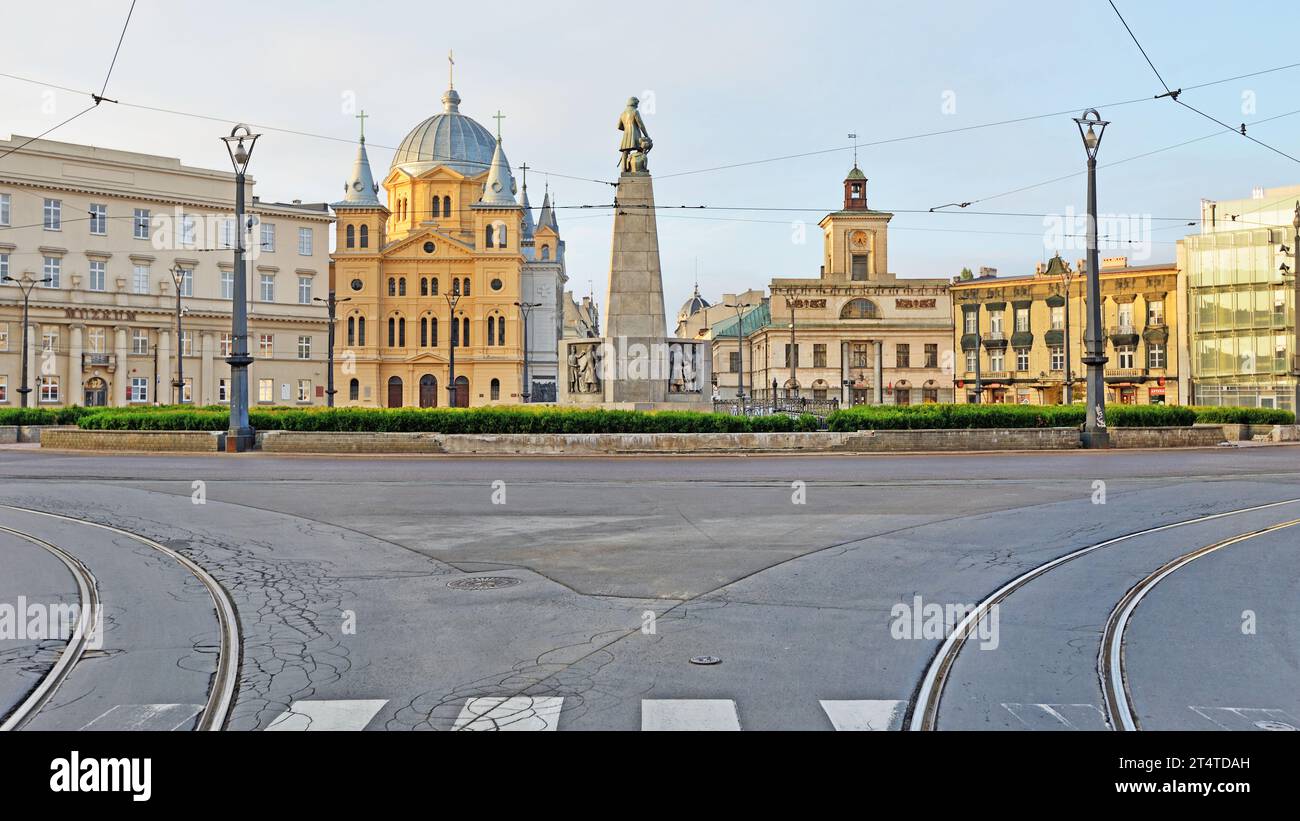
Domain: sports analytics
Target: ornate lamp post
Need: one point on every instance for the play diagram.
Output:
(740, 347)
(794, 356)
(331, 304)
(26, 284)
(525, 308)
(1095, 434)
(452, 339)
(239, 435)
(178, 277)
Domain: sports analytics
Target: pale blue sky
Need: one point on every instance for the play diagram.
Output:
(730, 82)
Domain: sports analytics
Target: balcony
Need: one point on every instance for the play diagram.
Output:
(995, 339)
(99, 360)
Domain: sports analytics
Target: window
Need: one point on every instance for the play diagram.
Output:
(465, 287)
(226, 239)
(464, 334)
(424, 332)
(4, 268)
(187, 343)
(931, 355)
(1126, 356)
(1022, 359)
(1155, 355)
(223, 390)
(268, 287)
(401, 286)
(140, 223)
(266, 345)
(304, 347)
(50, 339)
(4, 389)
(354, 390)
(187, 229)
(903, 356)
(265, 390)
(187, 282)
(304, 390)
(859, 268)
(971, 322)
(392, 286)
(98, 219)
(496, 389)
(859, 355)
(501, 330)
(433, 286)
(491, 330)
(227, 344)
(392, 331)
(4, 336)
(268, 236)
(49, 389)
(401, 331)
(5, 206)
(98, 274)
(304, 242)
(929, 395)
(187, 390)
(819, 356)
(1125, 314)
(1022, 320)
(365, 236)
(352, 331)
(139, 341)
(304, 290)
(791, 349)
(733, 361)
(489, 236)
(138, 390)
(971, 361)
(140, 279)
(858, 309)
(1058, 357)
(351, 241)
(1156, 313)
(227, 284)
(96, 338)
(51, 269)
(433, 331)
(446, 206)
(1058, 317)
(997, 360)
(53, 215)
(424, 286)
(361, 330)
(995, 323)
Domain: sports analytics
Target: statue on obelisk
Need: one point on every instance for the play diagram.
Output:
(636, 143)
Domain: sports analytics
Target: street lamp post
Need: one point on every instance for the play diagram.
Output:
(524, 309)
(452, 338)
(1095, 434)
(740, 348)
(794, 356)
(331, 304)
(26, 284)
(178, 277)
(240, 434)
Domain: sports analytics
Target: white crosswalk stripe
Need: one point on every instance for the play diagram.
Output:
(151, 717)
(689, 714)
(1058, 716)
(335, 714)
(865, 715)
(512, 713)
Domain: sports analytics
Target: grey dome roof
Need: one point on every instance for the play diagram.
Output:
(449, 139)
(693, 305)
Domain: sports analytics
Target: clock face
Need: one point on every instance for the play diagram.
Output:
(357, 285)
(496, 186)
(859, 239)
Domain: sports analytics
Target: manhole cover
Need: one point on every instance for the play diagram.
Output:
(482, 583)
(706, 660)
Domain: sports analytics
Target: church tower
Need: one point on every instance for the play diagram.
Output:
(543, 284)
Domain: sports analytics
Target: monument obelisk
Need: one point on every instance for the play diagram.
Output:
(635, 304)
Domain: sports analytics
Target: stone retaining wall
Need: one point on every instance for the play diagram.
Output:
(172, 441)
(1198, 436)
(25, 434)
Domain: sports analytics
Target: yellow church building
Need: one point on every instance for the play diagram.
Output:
(433, 277)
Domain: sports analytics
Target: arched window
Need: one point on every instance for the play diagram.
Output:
(465, 288)
(365, 236)
(492, 326)
(352, 330)
(446, 206)
(496, 388)
(546, 253)
(455, 286)
(392, 286)
(464, 334)
(392, 331)
(433, 213)
(424, 332)
(501, 331)
(488, 244)
(455, 333)
(401, 332)
(433, 332)
(354, 390)
(433, 286)
(352, 236)
(401, 286)
(502, 237)
(361, 330)
(858, 309)
(424, 286)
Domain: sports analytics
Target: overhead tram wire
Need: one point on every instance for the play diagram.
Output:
(1175, 94)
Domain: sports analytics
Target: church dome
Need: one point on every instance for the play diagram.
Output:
(450, 140)
(693, 305)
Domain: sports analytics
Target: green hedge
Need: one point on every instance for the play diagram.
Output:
(936, 416)
(1243, 416)
(449, 420)
(43, 416)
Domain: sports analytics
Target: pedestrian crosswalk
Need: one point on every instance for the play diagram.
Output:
(507, 713)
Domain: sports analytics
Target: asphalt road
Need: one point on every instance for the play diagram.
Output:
(364, 593)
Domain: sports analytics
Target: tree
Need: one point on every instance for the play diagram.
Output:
(967, 274)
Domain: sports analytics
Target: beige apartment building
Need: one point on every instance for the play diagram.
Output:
(113, 232)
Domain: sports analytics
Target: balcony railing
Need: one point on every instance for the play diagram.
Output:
(1122, 330)
(98, 360)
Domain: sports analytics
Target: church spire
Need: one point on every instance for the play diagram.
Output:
(499, 188)
(360, 190)
(547, 217)
(529, 227)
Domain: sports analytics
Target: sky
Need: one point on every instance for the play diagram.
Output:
(723, 84)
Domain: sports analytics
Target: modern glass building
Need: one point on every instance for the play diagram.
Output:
(1240, 306)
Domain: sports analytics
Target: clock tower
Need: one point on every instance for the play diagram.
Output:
(856, 241)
